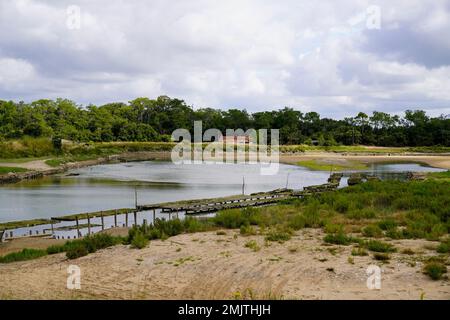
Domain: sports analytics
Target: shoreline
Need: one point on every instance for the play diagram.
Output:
(38, 168)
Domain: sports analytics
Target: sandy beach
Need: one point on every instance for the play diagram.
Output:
(211, 266)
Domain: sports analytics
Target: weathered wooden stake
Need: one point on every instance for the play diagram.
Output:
(115, 218)
(243, 185)
(154, 216)
(126, 219)
(89, 224)
(135, 197)
(53, 229)
(78, 226)
(135, 218)
(103, 220)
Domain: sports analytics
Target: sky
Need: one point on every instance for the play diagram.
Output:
(333, 57)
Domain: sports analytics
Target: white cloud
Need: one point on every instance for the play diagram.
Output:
(255, 54)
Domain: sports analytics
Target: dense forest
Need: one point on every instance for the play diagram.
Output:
(145, 119)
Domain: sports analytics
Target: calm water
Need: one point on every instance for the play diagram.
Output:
(112, 186)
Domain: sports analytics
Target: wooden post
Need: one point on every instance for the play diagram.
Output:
(126, 219)
(78, 227)
(154, 216)
(103, 220)
(115, 218)
(135, 197)
(135, 218)
(53, 229)
(31, 232)
(243, 185)
(89, 224)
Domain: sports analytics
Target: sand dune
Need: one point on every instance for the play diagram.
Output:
(211, 266)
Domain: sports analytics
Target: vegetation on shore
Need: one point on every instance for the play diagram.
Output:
(5, 170)
(365, 216)
(328, 166)
(23, 223)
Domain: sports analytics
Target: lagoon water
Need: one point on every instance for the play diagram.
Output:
(113, 186)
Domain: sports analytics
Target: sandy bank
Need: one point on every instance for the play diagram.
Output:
(207, 265)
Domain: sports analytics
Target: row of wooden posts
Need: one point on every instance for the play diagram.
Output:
(103, 221)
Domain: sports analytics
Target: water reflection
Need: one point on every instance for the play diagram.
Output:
(112, 186)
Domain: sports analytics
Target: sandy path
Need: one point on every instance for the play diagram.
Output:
(206, 265)
(35, 165)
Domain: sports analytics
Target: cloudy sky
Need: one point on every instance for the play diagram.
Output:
(333, 57)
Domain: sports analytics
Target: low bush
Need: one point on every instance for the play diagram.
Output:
(25, 254)
(77, 250)
(279, 235)
(253, 245)
(444, 247)
(139, 241)
(435, 270)
(338, 238)
(247, 230)
(378, 246)
(90, 244)
(373, 231)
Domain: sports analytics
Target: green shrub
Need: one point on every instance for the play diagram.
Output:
(280, 235)
(25, 254)
(373, 231)
(231, 219)
(334, 228)
(435, 270)
(252, 244)
(77, 250)
(444, 247)
(247, 230)
(139, 241)
(192, 225)
(90, 244)
(297, 222)
(378, 246)
(387, 224)
(56, 249)
(338, 238)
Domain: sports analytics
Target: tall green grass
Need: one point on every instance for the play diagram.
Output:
(25, 254)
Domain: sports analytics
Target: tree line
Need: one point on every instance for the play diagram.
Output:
(145, 119)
